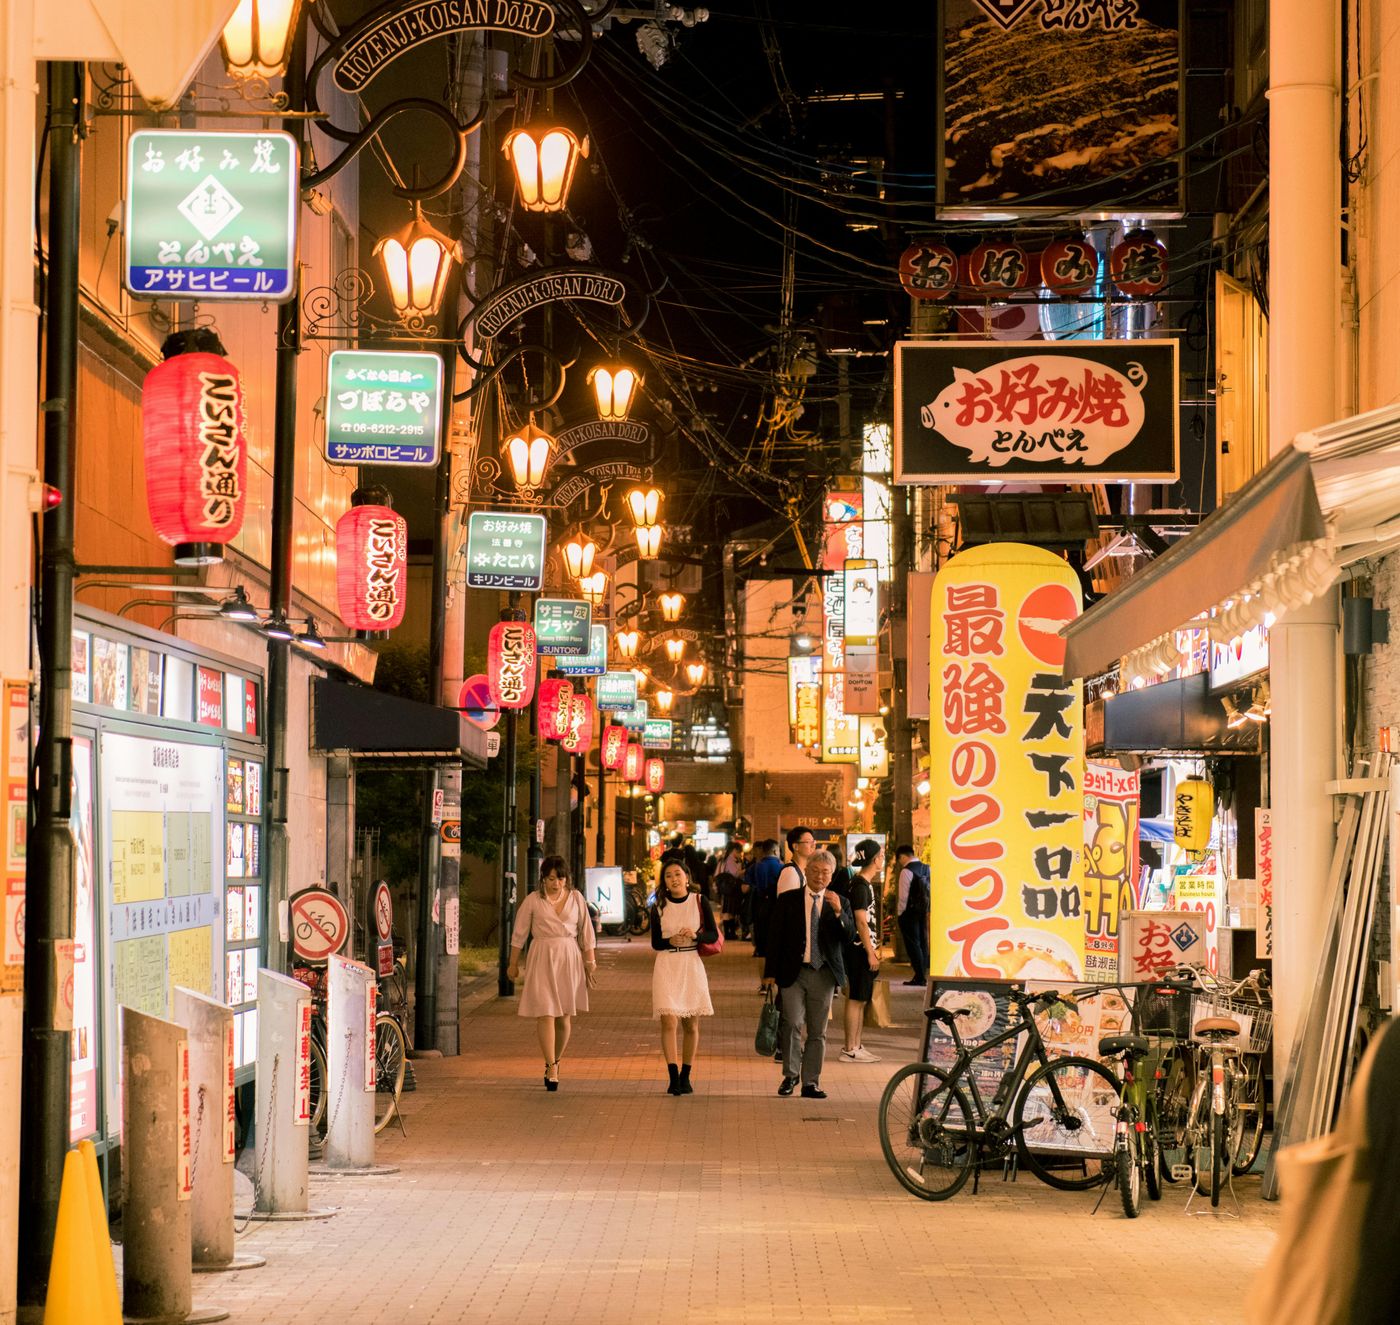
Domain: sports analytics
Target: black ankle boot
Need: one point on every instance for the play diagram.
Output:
(683, 1086)
(675, 1087)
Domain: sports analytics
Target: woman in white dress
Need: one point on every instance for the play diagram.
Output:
(680, 993)
(561, 968)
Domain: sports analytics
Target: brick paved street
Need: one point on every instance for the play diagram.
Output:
(611, 1201)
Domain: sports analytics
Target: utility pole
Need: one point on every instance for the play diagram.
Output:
(49, 888)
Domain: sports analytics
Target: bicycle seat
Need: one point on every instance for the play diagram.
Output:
(1209, 1028)
(946, 1015)
(1136, 1045)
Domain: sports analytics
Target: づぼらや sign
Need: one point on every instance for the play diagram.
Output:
(1073, 411)
(319, 925)
(383, 407)
(1006, 763)
(211, 215)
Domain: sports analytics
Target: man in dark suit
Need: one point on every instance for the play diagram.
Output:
(809, 934)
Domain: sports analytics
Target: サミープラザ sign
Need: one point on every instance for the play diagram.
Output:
(1036, 411)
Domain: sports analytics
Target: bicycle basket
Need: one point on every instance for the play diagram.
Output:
(1161, 1011)
(1256, 1020)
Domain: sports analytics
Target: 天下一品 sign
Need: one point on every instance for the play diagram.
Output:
(211, 215)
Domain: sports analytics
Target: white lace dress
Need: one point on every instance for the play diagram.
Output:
(678, 984)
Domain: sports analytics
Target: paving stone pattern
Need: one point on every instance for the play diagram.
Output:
(610, 1201)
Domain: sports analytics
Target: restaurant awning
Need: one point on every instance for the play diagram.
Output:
(1331, 498)
(375, 724)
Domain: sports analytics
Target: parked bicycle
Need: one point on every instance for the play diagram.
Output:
(1055, 1116)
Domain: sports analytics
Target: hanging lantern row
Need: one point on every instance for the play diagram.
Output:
(511, 664)
(556, 708)
(695, 672)
(528, 453)
(634, 763)
(627, 642)
(614, 389)
(656, 776)
(1066, 266)
(671, 605)
(675, 648)
(578, 740)
(417, 262)
(193, 429)
(257, 40)
(544, 158)
(644, 506)
(594, 587)
(614, 749)
(579, 552)
(371, 563)
(664, 700)
(648, 542)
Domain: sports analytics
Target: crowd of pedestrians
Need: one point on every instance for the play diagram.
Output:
(815, 924)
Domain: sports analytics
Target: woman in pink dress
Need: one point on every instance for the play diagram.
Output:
(561, 968)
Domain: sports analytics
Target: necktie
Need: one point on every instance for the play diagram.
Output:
(814, 955)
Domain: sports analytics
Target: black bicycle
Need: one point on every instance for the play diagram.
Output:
(1055, 1116)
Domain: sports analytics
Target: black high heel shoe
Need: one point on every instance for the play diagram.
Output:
(551, 1083)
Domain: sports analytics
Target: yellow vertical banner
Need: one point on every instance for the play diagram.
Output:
(1006, 765)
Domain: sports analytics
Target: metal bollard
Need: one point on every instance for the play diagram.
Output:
(156, 1173)
(283, 1139)
(350, 1066)
(209, 1027)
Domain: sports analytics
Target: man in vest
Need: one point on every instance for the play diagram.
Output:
(912, 907)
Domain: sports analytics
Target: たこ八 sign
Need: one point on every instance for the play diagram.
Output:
(1006, 763)
(505, 551)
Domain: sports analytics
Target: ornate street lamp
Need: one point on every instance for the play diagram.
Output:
(627, 641)
(644, 506)
(258, 38)
(528, 452)
(579, 552)
(695, 672)
(648, 542)
(594, 587)
(614, 389)
(671, 605)
(416, 261)
(544, 158)
(664, 699)
(675, 649)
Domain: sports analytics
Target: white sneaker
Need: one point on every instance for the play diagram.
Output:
(860, 1054)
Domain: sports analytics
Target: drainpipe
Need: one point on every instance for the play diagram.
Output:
(1304, 234)
(44, 1095)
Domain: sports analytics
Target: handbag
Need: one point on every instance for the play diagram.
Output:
(711, 949)
(765, 1039)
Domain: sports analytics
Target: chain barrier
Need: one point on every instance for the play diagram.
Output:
(198, 1129)
(266, 1142)
(340, 1093)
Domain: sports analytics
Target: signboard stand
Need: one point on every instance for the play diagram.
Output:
(156, 1249)
(209, 1026)
(280, 1182)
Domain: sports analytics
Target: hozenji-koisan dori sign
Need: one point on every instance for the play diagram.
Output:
(502, 307)
(383, 407)
(211, 216)
(570, 489)
(1036, 411)
(1006, 763)
(599, 432)
(395, 29)
(1059, 105)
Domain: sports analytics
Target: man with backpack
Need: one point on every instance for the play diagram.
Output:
(912, 908)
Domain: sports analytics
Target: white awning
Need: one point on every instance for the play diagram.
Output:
(1330, 499)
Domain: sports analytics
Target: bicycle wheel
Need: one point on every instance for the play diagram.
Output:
(926, 1131)
(390, 1063)
(1249, 1107)
(1174, 1093)
(1128, 1168)
(1152, 1164)
(1065, 1123)
(1219, 1154)
(319, 1077)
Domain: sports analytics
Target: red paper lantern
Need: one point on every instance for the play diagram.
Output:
(634, 763)
(192, 424)
(1138, 264)
(1069, 265)
(614, 746)
(371, 567)
(995, 267)
(556, 708)
(510, 664)
(929, 271)
(656, 776)
(579, 738)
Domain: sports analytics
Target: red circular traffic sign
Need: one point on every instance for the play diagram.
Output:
(384, 912)
(319, 924)
(475, 702)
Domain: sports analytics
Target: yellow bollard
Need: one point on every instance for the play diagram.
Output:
(105, 1268)
(75, 1297)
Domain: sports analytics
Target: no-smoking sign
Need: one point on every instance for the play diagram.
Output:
(319, 924)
